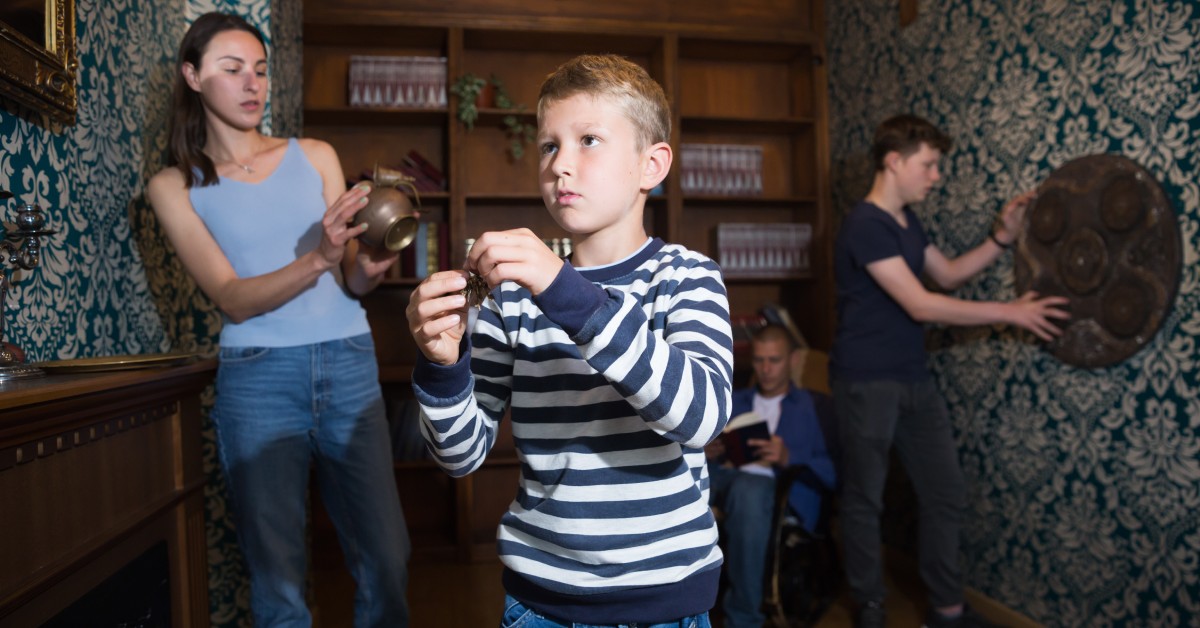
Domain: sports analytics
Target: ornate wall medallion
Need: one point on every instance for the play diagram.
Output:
(1103, 234)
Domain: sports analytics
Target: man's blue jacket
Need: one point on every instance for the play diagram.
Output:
(802, 434)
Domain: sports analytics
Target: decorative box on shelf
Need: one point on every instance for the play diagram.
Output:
(396, 81)
(764, 249)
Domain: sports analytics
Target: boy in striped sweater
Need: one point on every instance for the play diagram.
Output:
(615, 365)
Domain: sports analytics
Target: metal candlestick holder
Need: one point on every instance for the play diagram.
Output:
(22, 247)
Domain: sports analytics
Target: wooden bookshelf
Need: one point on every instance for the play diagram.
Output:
(738, 72)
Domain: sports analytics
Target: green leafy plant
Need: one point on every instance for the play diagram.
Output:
(468, 87)
(518, 132)
(503, 100)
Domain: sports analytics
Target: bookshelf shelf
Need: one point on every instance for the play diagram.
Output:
(399, 282)
(491, 116)
(374, 116)
(745, 125)
(505, 198)
(784, 202)
(749, 50)
(368, 33)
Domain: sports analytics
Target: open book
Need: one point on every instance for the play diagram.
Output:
(737, 433)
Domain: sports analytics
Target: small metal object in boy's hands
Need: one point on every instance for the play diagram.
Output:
(476, 291)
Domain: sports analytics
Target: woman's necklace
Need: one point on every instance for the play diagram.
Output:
(243, 166)
(248, 168)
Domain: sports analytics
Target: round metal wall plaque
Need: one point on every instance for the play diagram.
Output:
(1103, 234)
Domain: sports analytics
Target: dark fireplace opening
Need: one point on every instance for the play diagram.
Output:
(136, 596)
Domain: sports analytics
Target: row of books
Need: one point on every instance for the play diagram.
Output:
(764, 249)
(393, 81)
(721, 169)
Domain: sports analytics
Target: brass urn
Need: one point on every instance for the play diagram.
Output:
(391, 218)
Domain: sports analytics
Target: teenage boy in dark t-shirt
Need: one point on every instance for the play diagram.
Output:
(882, 388)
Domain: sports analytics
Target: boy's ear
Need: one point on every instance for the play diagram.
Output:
(892, 159)
(656, 164)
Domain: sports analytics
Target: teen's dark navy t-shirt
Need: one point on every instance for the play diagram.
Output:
(876, 339)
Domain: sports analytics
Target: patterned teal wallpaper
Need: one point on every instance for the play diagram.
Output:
(108, 282)
(1085, 500)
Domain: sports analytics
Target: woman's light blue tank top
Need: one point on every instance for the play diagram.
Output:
(264, 226)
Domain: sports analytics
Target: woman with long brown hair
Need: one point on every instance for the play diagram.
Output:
(263, 226)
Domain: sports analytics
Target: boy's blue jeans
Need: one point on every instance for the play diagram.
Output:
(280, 411)
(517, 615)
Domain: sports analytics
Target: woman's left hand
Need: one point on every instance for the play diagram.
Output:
(336, 226)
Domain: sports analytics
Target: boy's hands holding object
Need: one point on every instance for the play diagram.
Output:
(437, 309)
(437, 315)
(516, 255)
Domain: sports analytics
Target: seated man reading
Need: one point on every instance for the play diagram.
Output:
(744, 489)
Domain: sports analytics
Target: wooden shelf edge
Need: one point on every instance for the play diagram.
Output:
(741, 124)
(375, 116)
(726, 49)
(369, 33)
(504, 198)
(490, 116)
(711, 199)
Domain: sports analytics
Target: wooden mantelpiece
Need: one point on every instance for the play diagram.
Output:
(95, 469)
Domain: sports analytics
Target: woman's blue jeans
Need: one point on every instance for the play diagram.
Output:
(517, 615)
(281, 412)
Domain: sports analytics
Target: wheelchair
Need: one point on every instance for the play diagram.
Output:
(804, 572)
(804, 569)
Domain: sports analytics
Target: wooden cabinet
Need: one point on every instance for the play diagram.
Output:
(98, 471)
(748, 72)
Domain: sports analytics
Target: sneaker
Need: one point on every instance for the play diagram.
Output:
(968, 619)
(870, 615)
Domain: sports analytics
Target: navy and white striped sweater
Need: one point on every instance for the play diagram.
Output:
(616, 377)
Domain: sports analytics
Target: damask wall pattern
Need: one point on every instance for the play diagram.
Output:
(108, 282)
(1085, 484)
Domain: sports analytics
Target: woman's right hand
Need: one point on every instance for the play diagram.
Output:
(336, 227)
(437, 315)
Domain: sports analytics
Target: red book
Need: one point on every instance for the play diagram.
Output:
(408, 261)
(435, 175)
(444, 247)
(420, 179)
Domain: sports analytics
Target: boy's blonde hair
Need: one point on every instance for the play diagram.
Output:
(638, 95)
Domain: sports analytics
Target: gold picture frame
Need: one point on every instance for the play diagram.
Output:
(37, 79)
